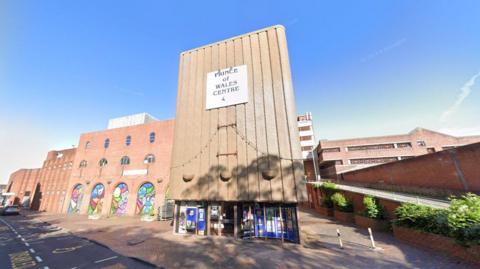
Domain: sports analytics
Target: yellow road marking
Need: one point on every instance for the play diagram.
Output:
(65, 250)
(21, 260)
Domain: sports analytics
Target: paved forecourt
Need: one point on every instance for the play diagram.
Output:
(27, 243)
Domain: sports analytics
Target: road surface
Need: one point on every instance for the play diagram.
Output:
(25, 243)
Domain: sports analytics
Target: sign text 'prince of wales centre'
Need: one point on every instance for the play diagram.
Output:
(227, 87)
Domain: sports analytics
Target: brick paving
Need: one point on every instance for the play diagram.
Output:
(155, 243)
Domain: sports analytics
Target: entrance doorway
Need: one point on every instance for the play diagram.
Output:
(228, 219)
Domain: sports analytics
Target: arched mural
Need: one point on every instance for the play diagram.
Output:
(96, 200)
(76, 199)
(146, 200)
(119, 200)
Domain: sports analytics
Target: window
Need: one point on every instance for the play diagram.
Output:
(305, 138)
(371, 147)
(338, 162)
(421, 143)
(307, 148)
(304, 128)
(331, 150)
(150, 158)
(404, 145)
(373, 160)
(83, 164)
(125, 160)
(406, 157)
(88, 145)
(448, 147)
(103, 162)
(128, 140)
(431, 150)
(152, 137)
(106, 144)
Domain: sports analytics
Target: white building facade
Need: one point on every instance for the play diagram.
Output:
(307, 137)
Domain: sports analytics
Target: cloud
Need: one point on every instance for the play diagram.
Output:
(461, 131)
(464, 93)
(381, 51)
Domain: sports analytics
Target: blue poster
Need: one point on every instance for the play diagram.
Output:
(289, 218)
(259, 223)
(191, 219)
(201, 221)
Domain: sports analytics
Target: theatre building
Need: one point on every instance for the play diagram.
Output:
(123, 170)
(237, 166)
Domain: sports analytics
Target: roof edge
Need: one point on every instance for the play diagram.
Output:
(234, 37)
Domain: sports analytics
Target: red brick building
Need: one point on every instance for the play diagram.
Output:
(123, 170)
(43, 188)
(339, 156)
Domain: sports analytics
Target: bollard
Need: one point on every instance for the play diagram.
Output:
(371, 238)
(339, 239)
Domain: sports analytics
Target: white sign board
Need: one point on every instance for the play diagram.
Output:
(227, 87)
(137, 172)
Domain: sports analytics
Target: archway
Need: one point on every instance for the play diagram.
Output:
(76, 199)
(96, 201)
(119, 200)
(146, 200)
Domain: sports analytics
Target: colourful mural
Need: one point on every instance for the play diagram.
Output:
(96, 200)
(119, 200)
(146, 200)
(76, 199)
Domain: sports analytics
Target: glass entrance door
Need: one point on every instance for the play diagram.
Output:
(228, 219)
(215, 219)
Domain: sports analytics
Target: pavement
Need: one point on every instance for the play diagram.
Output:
(155, 243)
(29, 243)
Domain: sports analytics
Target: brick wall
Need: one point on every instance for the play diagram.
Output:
(112, 174)
(43, 188)
(453, 171)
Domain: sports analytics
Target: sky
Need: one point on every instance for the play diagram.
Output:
(363, 68)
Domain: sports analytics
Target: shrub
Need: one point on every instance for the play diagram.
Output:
(327, 189)
(341, 203)
(464, 218)
(372, 209)
(420, 217)
(461, 220)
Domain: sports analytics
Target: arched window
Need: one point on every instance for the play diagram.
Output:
(76, 199)
(125, 160)
(150, 158)
(103, 162)
(151, 138)
(96, 200)
(128, 140)
(83, 164)
(119, 200)
(146, 200)
(88, 145)
(106, 143)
